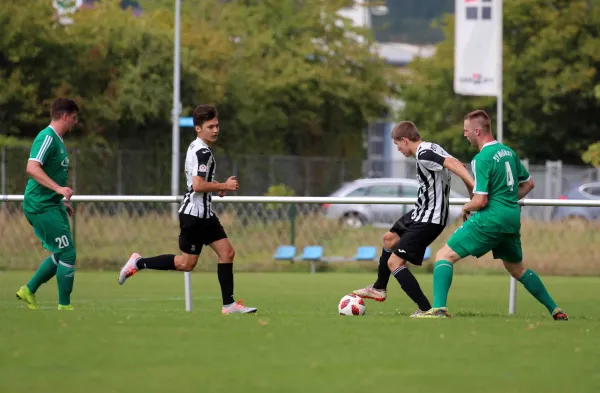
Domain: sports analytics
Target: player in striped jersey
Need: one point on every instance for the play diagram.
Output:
(408, 238)
(199, 225)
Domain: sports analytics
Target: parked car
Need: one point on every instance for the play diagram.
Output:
(357, 215)
(589, 191)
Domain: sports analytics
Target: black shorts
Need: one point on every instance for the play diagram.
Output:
(415, 237)
(197, 232)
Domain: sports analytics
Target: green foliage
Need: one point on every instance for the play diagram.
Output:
(284, 76)
(550, 80)
(11, 141)
(278, 190)
(592, 155)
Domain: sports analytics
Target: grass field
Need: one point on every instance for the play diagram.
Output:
(137, 338)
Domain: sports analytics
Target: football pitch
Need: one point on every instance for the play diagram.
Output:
(137, 338)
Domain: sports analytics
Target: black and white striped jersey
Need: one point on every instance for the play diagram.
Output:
(434, 185)
(199, 161)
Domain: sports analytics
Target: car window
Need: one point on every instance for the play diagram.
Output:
(595, 191)
(359, 192)
(384, 191)
(410, 191)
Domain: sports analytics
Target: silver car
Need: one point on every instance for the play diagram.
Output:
(584, 191)
(377, 214)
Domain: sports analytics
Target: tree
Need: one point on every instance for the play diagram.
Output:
(33, 61)
(550, 63)
(299, 82)
(592, 155)
(286, 76)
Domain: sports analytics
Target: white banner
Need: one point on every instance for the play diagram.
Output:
(65, 9)
(477, 47)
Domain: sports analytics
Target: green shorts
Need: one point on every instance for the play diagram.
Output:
(52, 228)
(472, 239)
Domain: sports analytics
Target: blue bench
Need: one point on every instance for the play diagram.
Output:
(285, 253)
(312, 254)
(365, 253)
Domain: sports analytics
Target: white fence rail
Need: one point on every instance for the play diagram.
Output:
(309, 200)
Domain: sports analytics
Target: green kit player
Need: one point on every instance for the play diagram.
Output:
(500, 181)
(48, 168)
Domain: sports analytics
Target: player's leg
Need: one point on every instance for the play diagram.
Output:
(412, 248)
(183, 263)
(190, 244)
(409, 284)
(378, 290)
(66, 258)
(443, 272)
(467, 240)
(47, 269)
(226, 254)
(216, 238)
(42, 224)
(510, 251)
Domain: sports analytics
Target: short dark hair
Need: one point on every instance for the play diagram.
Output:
(482, 118)
(406, 129)
(62, 106)
(204, 113)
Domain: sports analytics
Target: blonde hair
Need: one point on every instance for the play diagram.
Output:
(482, 119)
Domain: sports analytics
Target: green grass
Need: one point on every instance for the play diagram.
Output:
(137, 338)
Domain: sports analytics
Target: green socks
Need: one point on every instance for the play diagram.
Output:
(442, 279)
(536, 287)
(45, 272)
(65, 276)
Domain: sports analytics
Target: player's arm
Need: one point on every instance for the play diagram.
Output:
(35, 170)
(41, 149)
(457, 167)
(481, 169)
(525, 187)
(524, 178)
(199, 183)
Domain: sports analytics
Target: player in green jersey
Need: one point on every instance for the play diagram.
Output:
(44, 208)
(500, 182)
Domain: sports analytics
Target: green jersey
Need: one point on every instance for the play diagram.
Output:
(498, 173)
(49, 150)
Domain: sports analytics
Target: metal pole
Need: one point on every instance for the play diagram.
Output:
(512, 296)
(187, 277)
(120, 172)
(120, 178)
(74, 187)
(293, 224)
(3, 170)
(176, 108)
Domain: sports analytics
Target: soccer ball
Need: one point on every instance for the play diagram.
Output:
(352, 305)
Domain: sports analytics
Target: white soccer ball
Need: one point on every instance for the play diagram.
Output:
(352, 305)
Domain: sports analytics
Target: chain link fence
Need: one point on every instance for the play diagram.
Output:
(135, 172)
(142, 172)
(106, 234)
